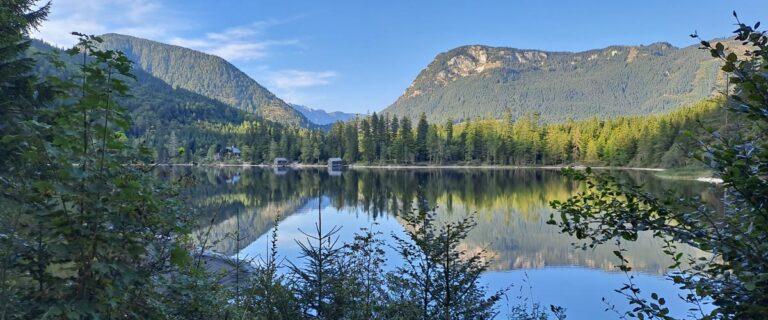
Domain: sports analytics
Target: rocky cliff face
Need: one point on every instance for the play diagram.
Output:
(476, 59)
(482, 81)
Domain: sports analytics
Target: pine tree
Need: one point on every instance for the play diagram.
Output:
(306, 150)
(435, 154)
(268, 294)
(472, 144)
(274, 150)
(319, 282)
(394, 147)
(367, 287)
(422, 129)
(316, 143)
(438, 279)
(406, 141)
(449, 143)
(368, 142)
(22, 127)
(22, 93)
(593, 152)
(351, 146)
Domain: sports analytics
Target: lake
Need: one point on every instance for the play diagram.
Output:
(511, 207)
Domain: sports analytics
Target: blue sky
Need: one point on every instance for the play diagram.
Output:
(359, 56)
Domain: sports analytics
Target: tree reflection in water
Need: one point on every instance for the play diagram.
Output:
(511, 206)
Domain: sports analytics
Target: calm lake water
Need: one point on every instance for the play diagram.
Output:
(511, 206)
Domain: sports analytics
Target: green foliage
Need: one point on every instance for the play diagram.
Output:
(159, 111)
(422, 129)
(488, 82)
(438, 279)
(85, 234)
(173, 106)
(88, 232)
(268, 294)
(192, 293)
(21, 133)
(734, 277)
(350, 281)
(643, 141)
(319, 284)
(367, 287)
(205, 75)
(526, 308)
(22, 93)
(170, 117)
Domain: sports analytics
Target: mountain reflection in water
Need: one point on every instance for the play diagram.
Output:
(512, 207)
(238, 206)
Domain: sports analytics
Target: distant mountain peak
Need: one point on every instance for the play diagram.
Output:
(322, 117)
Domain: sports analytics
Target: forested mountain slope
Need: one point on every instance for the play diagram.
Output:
(488, 82)
(153, 103)
(170, 118)
(203, 74)
(165, 117)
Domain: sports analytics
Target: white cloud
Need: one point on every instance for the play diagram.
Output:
(149, 19)
(141, 18)
(241, 51)
(291, 79)
(234, 33)
(295, 85)
(241, 43)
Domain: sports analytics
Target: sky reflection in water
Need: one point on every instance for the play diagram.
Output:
(511, 207)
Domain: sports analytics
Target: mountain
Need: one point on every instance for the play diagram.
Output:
(153, 104)
(203, 74)
(482, 81)
(322, 117)
(167, 117)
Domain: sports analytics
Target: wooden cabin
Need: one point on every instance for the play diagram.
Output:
(335, 163)
(281, 162)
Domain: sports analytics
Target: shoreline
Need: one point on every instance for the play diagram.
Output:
(428, 167)
(492, 167)
(703, 179)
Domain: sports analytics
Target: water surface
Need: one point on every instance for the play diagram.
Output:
(239, 206)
